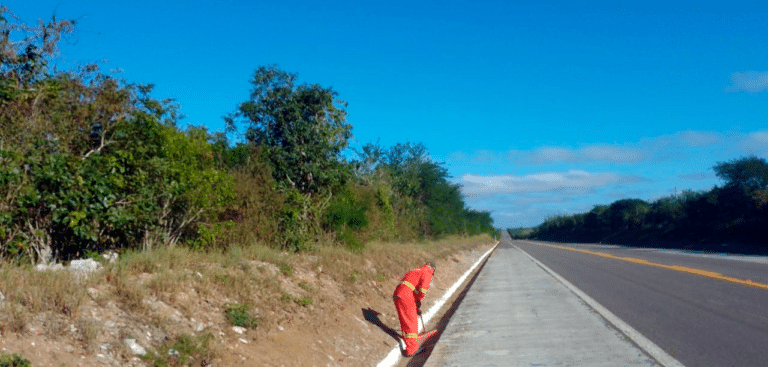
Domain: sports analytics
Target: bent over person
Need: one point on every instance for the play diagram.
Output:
(408, 296)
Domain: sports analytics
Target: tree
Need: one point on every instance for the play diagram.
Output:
(667, 213)
(747, 173)
(24, 61)
(303, 127)
(628, 213)
(88, 161)
(421, 194)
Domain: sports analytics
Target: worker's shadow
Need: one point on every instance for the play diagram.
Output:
(372, 316)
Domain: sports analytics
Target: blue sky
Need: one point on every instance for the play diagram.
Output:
(537, 109)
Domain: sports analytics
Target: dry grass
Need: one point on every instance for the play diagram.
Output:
(165, 282)
(387, 259)
(188, 350)
(89, 332)
(29, 293)
(237, 273)
(126, 292)
(15, 318)
(270, 283)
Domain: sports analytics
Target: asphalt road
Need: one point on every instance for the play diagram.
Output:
(697, 319)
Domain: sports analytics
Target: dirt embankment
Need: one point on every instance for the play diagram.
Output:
(320, 309)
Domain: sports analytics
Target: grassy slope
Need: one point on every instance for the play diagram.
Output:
(174, 298)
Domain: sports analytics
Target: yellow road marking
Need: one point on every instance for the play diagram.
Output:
(682, 269)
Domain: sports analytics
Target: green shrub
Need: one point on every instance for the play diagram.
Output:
(286, 297)
(352, 277)
(240, 315)
(185, 350)
(210, 235)
(294, 221)
(306, 286)
(349, 239)
(13, 360)
(285, 269)
(345, 211)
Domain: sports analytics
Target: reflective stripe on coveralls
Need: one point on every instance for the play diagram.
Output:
(413, 288)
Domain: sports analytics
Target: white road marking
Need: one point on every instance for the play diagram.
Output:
(644, 343)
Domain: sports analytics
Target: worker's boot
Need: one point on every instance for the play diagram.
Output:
(411, 346)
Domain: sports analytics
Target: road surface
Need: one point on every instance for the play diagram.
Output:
(691, 310)
(698, 318)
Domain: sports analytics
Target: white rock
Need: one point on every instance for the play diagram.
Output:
(49, 267)
(93, 292)
(243, 341)
(83, 268)
(135, 347)
(238, 329)
(199, 327)
(280, 328)
(2, 297)
(110, 256)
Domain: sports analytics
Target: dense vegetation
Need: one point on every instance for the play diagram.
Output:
(90, 162)
(735, 213)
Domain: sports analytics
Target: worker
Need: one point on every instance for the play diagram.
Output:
(407, 297)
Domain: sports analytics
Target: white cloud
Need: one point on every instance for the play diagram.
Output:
(656, 149)
(660, 148)
(759, 136)
(600, 173)
(698, 138)
(755, 143)
(750, 81)
(544, 155)
(591, 153)
(698, 176)
(611, 153)
(574, 182)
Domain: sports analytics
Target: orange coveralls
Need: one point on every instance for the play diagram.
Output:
(413, 287)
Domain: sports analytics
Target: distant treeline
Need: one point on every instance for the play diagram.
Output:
(89, 162)
(735, 215)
